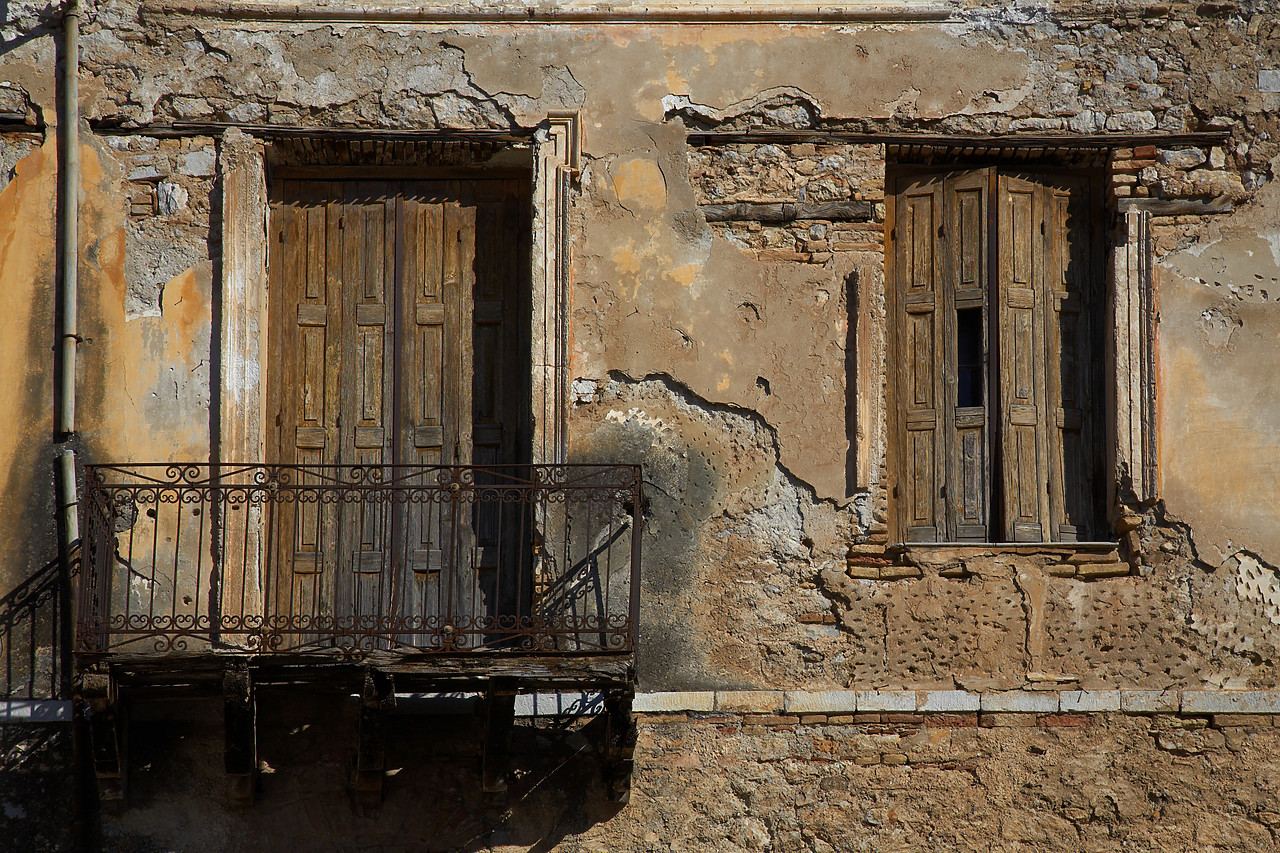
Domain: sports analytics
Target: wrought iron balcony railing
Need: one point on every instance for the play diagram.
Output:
(351, 559)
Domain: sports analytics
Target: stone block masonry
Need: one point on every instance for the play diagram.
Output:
(1257, 703)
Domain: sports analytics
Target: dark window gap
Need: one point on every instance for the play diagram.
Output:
(969, 357)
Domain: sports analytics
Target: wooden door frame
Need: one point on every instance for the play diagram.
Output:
(238, 414)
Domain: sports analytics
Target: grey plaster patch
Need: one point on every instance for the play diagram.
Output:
(198, 164)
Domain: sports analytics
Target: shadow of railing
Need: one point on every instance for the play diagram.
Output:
(32, 647)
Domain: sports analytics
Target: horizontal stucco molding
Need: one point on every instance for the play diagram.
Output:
(511, 12)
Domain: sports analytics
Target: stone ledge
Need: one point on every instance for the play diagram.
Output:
(1089, 701)
(1021, 702)
(749, 701)
(886, 700)
(664, 703)
(1230, 701)
(1149, 701)
(1084, 561)
(821, 702)
(1042, 702)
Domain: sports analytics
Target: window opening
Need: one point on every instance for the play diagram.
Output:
(997, 359)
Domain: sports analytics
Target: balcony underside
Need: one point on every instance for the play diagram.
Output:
(203, 673)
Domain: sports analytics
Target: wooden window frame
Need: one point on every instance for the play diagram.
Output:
(1105, 343)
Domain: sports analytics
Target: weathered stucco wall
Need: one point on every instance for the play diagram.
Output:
(723, 355)
(743, 364)
(26, 357)
(1218, 327)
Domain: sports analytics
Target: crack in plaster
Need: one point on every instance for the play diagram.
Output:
(695, 401)
(1032, 591)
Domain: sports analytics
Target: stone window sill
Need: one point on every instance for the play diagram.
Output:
(901, 561)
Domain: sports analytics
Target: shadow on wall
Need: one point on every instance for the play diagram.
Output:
(36, 787)
(49, 21)
(306, 749)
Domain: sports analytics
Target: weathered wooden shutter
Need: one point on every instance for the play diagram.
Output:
(919, 310)
(397, 340)
(436, 370)
(1071, 281)
(306, 389)
(964, 356)
(1021, 323)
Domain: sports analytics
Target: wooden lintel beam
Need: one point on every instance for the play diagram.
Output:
(833, 211)
(1176, 206)
(702, 138)
(180, 129)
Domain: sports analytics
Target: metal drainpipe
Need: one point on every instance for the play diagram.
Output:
(69, 220)
(69, 248)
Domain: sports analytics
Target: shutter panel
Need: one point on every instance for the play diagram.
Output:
(438, 254)
(1021, 307)
(965, 421)
(919, 296)
(368, 312)
(1072, 443)
(305, 353)
(422, 351)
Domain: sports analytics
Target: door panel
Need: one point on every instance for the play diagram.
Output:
(365, 391)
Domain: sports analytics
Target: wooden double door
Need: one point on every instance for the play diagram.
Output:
(399, 349)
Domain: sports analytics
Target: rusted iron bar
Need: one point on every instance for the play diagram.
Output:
(500, 715)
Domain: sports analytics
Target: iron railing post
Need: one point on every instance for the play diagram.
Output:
(637, 531)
